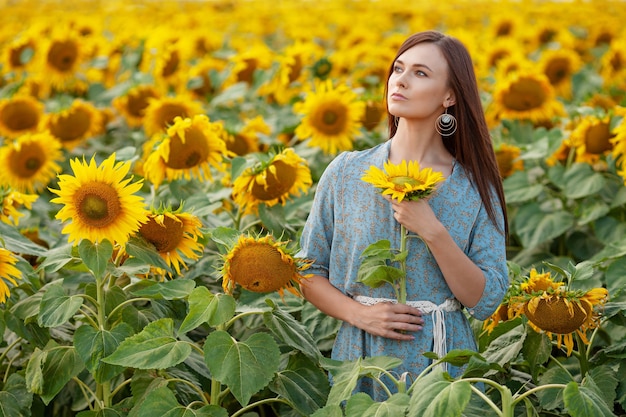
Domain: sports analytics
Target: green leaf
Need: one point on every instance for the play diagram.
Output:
(435, 396)
(92, 345)
(34, 373)
(551, 398)
(153, 348)
(96, 255)
(363, 405)
(536, 350)
(286, 328)
(143, 250)
(584, 402)
(57, 366)
(103, 412)
(56, 308)
(603, 380)
(303, 384)
(245, 367)
(380, 250)
(168, 290)
(237, 166)
(16, 242)
(162, 402)
(582, 181)
(15, 400)
(534, 226)
(57, 258)
(374, 273)
(225, 238)
(506, 347)
(518, 189)
(333, 410)
(206, 307)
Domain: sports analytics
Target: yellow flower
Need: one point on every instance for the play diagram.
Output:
(161, 112)
(8, 273)
(132, 105)
(592, 138)
(619, 142)
(332, 117)
(174, 235)
(404, 181)
(20, 115)
(559, 66)
(75, 124)
(99, 201)
(62, 56)
(191, 147)
(262, 264)
(274, 181)
(30, 162)
(539, 282)
(247, 139)
(508, 160)
(11, 202)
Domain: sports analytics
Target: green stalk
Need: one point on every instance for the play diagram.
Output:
(103, 390)
(402, 280)
(583, 356)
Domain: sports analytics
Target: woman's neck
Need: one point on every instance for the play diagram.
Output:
(423, 146)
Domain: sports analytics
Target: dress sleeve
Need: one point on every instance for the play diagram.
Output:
(487, 249)
(317, 234)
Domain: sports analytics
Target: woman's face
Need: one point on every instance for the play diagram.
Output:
(418, 85)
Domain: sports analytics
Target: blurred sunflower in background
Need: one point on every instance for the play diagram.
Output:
(619, 142)
(592, 138)
(72, 125)
(331, 117)
(191, 147)
(19, 115)
(262, 264)
(560, 66)
(8, 273)
(161, 112)
(61, 59)
(174, 235)
(508, 159)
(12, 201)
(551, 308)
(30, 162)
(99, 201)
(132, 105)
(272, 181)
(404, 180)
(247, 139)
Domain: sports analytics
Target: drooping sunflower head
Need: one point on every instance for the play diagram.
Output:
(263, 265)
(161, 112)
(20, 115)
(191, 147)
(592, 138)
(404, 181)
(174, 235)
(30, 162)
(272, 181)
(332, 117)
(12, 201)
(99, 201)
(75, 124)
(8, 273)
(132, 105)
(508, 160)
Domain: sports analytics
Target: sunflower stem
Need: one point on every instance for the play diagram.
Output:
(402, 280)
(103, 390)
(582, 357)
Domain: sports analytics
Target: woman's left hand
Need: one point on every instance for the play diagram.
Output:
(416, 216)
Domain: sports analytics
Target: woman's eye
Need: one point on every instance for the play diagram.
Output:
(397, 69)
(420, 73)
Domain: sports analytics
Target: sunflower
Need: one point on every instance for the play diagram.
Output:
(189, 149)
(272, 181)
(332, 117)
(99, 201)
(374, 114)
(404, 180)
(30, 162)
(63, 55)
(75, 124)
(8, 273)
(508, 160)
(560, 66)
(247, 139)
(161, 112)
(613, 63)
(200, 83)
(11, 202)
(552, 308)
(174, 236)
(262, 264)
(132, 105)
(20, 115)
(525, 95)
(592, 138)
(619, 142)
(18, 54)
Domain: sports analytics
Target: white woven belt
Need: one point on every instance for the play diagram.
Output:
(436, 311)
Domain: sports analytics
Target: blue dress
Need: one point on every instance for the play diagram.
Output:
(349, 214)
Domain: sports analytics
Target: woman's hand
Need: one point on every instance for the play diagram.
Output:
(416, 216)
(394, 321)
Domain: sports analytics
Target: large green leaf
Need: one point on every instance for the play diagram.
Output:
(581, 181)
(206, 307)
(153, 348)
(603, 380)
(103, 412)
(15, 400)
(535, 226)
(58, 257)
(162, 402)
(303, 384)
(519, 189)
(141, 249)
(584, 402)
(16, 242)
(96, 255)
(92, 345)
(506, 347)
(168, 290)
(363, 405)
(552, 398)
(56, 308)
(244, 366)
(286, 328)
(536, 350)
(434, 395)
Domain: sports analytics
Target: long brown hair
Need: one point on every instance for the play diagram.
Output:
(471, 144)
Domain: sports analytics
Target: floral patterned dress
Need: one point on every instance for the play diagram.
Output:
(348, 215)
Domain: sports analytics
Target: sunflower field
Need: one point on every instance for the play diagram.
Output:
(158, 160)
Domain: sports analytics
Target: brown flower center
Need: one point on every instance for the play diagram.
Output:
(557, 70)
(276, 185)
(525, 94)
(192, 152)
(72, 126)
(166, 237)
(259, 267)
(98, 204)
(20, 115)
(62, 55)
(26, 162)
(598, 139)
(553, 315)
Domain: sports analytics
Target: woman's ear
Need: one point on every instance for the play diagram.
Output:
(450, 100)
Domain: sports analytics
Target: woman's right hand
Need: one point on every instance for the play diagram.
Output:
(393, 321)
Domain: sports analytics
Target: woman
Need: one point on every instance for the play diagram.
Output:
(460, 261)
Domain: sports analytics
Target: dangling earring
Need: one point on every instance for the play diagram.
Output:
(395, 120)
(446, 124)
